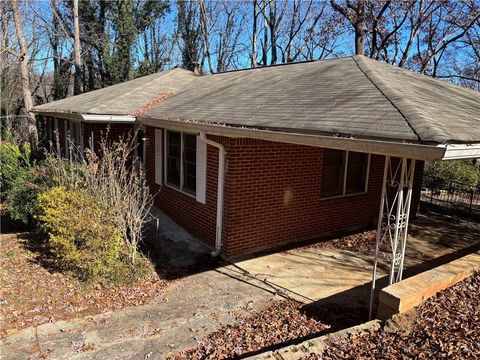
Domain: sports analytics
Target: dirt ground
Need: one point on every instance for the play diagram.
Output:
(33, 292)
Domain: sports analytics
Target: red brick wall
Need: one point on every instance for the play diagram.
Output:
(272, 196)
(197, 218)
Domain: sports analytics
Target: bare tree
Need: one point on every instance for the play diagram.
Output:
(77, 87)
(25, 76)
(253, 54)
(355, 14)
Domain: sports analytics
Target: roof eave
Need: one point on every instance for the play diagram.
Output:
(89, 118)
(379, 147)
(461, 151)
(108, 118)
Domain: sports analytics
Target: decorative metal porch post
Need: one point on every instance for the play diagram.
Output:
(393, 218)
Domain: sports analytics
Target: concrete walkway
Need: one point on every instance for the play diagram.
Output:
(195, 306)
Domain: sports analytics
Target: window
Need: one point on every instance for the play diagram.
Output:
(140, 146)
(344, 173)
(181, 162)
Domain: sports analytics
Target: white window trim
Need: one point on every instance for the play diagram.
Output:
(344, 189)
(165, 151)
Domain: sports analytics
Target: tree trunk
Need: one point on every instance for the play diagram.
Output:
(253, 55)
(273, 32)
(25, 78)
(360, 28)
(77, 81)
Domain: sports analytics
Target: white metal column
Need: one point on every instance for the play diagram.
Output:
(392, 228)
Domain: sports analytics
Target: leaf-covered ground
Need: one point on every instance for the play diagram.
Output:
(33, 293)
(279, 323)
(362, 242)
(446, 326)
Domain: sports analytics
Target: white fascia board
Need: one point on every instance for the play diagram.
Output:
(461, 151)
(379, 147)
(108, 118)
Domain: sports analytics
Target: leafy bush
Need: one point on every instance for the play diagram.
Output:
(81, 232)
(12, 164)
(437, 174)
(21, 198)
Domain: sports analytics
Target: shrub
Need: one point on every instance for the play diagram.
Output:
(21, 199)
(114, 174)
(437, 174)
(81, 232)
(12, 164)
(53, 171)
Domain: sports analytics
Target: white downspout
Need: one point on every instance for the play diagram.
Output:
(220, 191)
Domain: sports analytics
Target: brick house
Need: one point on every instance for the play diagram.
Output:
(253, 159)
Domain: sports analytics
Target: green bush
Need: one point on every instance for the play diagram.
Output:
(12, 164)
(81, 232)
(464, 172)
(21, 199)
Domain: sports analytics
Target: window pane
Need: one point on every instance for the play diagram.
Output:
(190, 155)
(333, 157)
(189, 162)
(173, 138)
(173, 171)
(173, 158)
(139, 145)
(190, 141)
(332, 175)
(356, 172)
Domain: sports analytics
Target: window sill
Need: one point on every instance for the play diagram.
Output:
(343, 196)
(176, 188)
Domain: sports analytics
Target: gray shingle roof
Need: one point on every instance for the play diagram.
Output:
(350, 96)
(122, 99)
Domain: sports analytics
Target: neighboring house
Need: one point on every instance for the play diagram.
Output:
(253, 159)
(87, 116)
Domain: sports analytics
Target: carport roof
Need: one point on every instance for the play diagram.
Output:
(348, 97)
(127, 98)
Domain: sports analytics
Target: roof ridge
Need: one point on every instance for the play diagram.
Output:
(162, 74)
(277, 65)
(381, 88)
